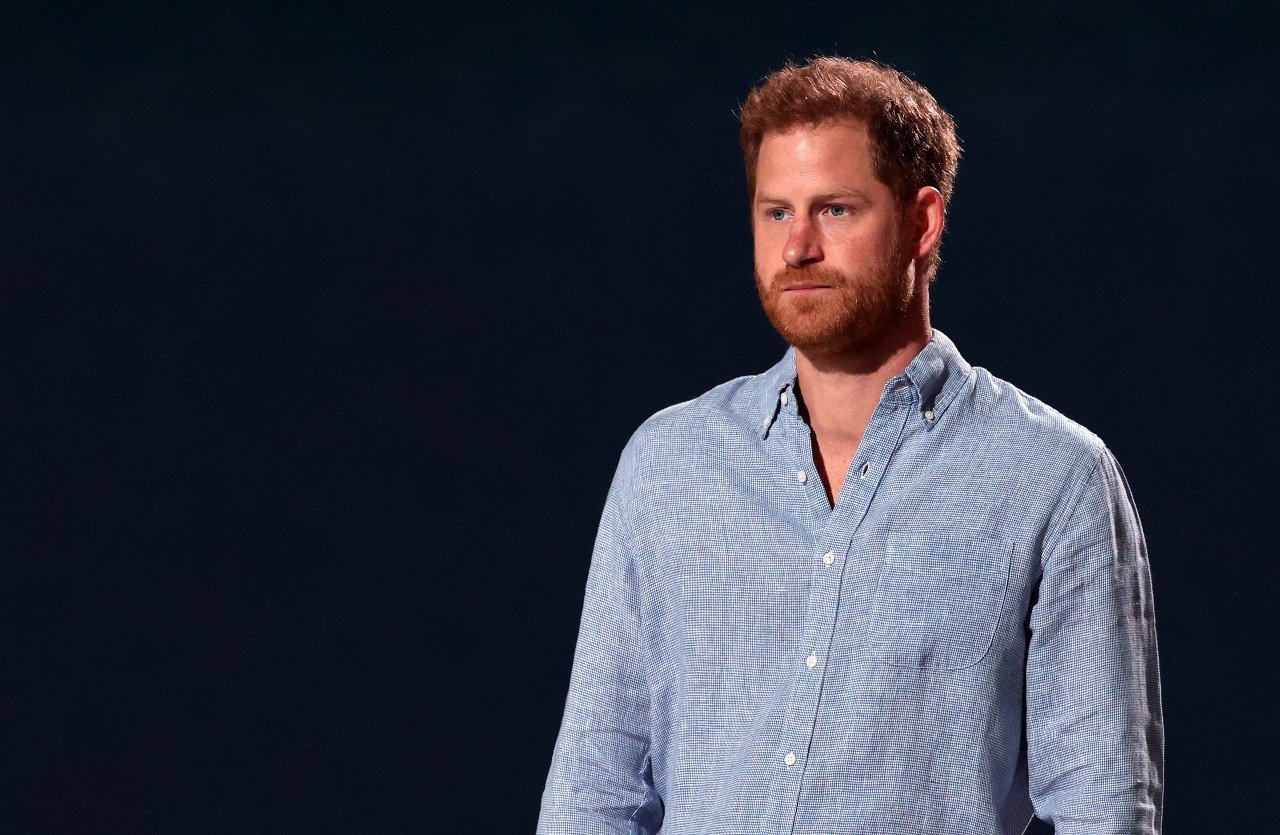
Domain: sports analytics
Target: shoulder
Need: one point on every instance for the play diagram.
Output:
(1030, 430)
(707, 422)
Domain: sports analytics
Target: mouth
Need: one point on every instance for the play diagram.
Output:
(802, 288)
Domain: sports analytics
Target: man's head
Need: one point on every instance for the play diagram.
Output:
(849, 166)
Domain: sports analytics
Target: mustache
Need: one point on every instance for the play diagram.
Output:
(789, 277)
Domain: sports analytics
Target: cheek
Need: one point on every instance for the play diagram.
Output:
(857, 245)
(769, 240)
(760, 246)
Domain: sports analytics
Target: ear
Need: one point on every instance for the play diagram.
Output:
(927, 216)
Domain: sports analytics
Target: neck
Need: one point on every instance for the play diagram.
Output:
(839, 392)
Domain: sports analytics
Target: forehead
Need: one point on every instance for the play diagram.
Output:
(834, 148)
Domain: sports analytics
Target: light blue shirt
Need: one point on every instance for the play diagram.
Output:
(966, 639)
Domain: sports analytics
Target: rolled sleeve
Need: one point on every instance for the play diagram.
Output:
(1094, 723)
(599, 781)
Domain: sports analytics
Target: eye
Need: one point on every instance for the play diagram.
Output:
(778, 214)
(839, 211)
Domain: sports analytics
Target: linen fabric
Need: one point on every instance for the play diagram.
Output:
(966, 639)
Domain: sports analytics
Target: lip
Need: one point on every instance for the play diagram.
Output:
(805, 288)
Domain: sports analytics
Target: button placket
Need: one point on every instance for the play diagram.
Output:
(833, 533)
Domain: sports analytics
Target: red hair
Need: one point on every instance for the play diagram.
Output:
(913, 140)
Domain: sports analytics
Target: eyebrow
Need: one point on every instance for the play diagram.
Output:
(844, 193)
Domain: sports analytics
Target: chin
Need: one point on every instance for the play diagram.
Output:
(831, 339)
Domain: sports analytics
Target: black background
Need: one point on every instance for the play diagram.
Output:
(327, 325)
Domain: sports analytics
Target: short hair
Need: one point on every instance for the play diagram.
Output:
(913, 140)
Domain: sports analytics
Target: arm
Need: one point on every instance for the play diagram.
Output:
(599, 779)
(1095, 728)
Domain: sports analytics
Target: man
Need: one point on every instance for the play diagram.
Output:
(874, 589)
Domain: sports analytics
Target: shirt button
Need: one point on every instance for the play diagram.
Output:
(801, 477)
(789, 759)
(928, 414)
(811, 661)
(828, 558)
(784, 398)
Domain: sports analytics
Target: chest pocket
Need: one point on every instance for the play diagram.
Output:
(939, 598)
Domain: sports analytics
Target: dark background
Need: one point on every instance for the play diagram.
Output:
(327, 325)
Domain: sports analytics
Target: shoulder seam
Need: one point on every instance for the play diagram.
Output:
(1052, 542)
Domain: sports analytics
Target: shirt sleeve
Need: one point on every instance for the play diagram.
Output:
(1094, 723)
(600, 778)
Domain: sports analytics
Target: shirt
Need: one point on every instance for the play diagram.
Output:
(967, 638)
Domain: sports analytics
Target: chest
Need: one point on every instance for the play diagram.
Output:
(832, 455)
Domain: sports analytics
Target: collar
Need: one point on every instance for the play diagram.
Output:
(929, 383)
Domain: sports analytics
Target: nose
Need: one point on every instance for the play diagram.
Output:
(802, 245)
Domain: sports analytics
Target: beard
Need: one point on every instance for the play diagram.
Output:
(856, 313)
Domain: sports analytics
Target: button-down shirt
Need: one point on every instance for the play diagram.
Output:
(965, 640)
